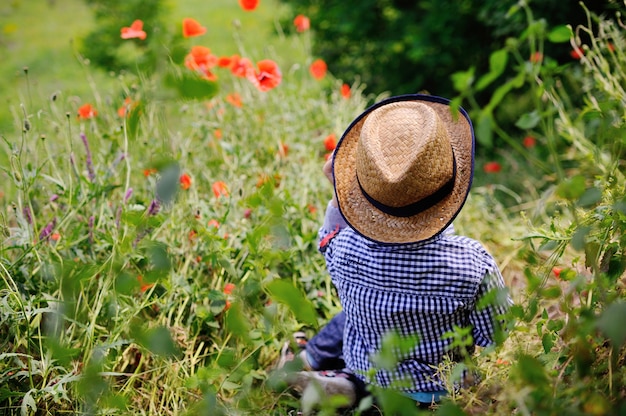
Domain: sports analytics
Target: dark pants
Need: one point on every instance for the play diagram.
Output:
(325, 349)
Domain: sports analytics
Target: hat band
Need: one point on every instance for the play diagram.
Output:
(418, 206)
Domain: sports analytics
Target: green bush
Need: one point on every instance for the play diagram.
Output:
(406, 46)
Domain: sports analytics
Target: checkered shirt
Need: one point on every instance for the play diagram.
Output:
(423, 289)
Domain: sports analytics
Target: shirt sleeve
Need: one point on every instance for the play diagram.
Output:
(333, 224)
(492, 302)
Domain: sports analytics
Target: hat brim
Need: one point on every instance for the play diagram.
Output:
(378, 226)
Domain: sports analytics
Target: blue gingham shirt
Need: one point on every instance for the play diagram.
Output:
(423, 288)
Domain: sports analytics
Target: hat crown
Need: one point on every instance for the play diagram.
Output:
(403, 154)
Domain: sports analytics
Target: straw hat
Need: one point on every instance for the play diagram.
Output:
(404, 167)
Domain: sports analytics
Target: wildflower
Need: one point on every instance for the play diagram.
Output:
(302, 23)
(128, 194)
(248, 5)
(53, 197)
(247, 213)
(192, 28)
(192, 235)
(318, 69)
(556, 271)
(224, 61)
(214, 223)
(217, 133)
(229, 288)
(346, 92)
(283, 149)
(536, 57)
(240, 66)
(149, 171)
(577, 53)
(234, 99)
(154, 207)
(220, 189)
(201, 60)
(134, 31)
(267, 75)
(185, 181)
(492, 167)
(330, 142)
(27, 215)
(610, 47)
(86, 111)
(529, 142)
(55, 236)
(47, 230)
(90, 169)
(90, 225)
(312, 208)
(143, 286)
(123, 111)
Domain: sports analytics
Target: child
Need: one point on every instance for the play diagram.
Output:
(401, 173)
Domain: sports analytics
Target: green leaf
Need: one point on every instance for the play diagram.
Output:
(572, 188)
(528, 120)
(159, 341)
(168, 184)
(547, 340)
(590, 197)
(560, 34)
(580, 237)
(483, 130)
(462, 80)
(497, 65)
(191, 86)
(237, 322)
(611, 323)
(285, 292)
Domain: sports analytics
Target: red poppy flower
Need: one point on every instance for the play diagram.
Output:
(267, 75)
(143, 286)
(536, 57)
(610, 47)
(302, 23)
(214, 223)
(283, 149)
(234, 99)
(529, 141)
(149, 171)
(192, 28)
(229, 288)
(492, 167)
(55, 236)
(556, 271)
(248, 5)
(124, 109)
(224, 61)
(185, 181)
(346, 92)
(201, 60)
(318, 69)
(134, 31)
(220, 189)
(192, 235)
(241, 66)
(217, 133)
(87, 111)
(577, 53)
(330, 142)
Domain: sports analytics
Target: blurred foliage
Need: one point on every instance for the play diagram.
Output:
(105, 48)
(405, 46)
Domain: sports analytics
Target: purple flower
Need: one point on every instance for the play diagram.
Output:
(129, 193)
(153, 209)
(90, 170)
(27, 215)
(90, 224)
(54, 197)
(47, 230)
